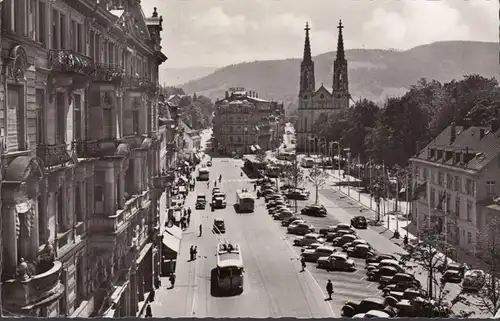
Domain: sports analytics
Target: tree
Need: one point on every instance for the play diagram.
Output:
(377, 192)
(426, 259)
(293, 175)
(488, 298)
(318, 178)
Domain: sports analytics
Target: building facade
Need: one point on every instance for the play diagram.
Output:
(243, 122)
(79, 122)
(321, 102)
(192, 140)
(460, 169)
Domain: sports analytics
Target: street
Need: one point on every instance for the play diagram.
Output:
(274, 285)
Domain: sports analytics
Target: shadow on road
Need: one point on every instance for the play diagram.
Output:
(251, 174)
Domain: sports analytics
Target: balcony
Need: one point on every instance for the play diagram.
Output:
(71, 62)
(147, 85)
(32, 290)
(131, 82)
(109, 73)
(53, 155)
(163, 180)
(95, 148)
(109, 224)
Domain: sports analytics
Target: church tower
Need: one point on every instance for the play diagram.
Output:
(306, 91)
(340, 81)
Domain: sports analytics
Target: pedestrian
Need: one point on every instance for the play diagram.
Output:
(201, 230)
(195, 252)
(189, 211)
(172, 280)
(303, 263)
(329, 289)
(152, 295)
(149, 313)
(215, 183)
(208, 184)
(254, 187)
(188, 220)
(191, 253)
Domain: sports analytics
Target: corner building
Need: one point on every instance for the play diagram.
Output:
(79, 127)
(322, 102)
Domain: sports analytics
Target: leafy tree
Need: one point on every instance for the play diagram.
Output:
(318, 178)
(377, 192)
(488, 298)
(292, 174)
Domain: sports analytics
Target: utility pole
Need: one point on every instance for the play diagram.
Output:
(295, 179)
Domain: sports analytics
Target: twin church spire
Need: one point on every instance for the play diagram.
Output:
(340, 81)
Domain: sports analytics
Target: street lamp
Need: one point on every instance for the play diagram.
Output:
(370, 179)
(348, 150)
(338, 155)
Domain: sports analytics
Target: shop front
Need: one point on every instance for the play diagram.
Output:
(170, 247)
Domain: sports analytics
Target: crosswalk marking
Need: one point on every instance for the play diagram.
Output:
(247, 180)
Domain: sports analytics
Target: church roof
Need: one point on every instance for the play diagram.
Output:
(328, 89)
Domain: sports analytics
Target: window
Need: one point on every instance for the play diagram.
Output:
(469, 187)
(433, 177)
(425, 174)
(135, 121)
(73, 35)
(40, 116)
(41, 20)
(433, 197)
(41, 220)
(92, 43)
(32, 20)
(62, 31)
(469, 237)
(457, 183)
(60, 118)
(78, 117)
(61, 224)
(490, 188)
(469, 212)
(18, 14)
(449, 181)
(441, 179)
(79, 38)
(107, 115)
(78, 203)
(448, 202)
(15, 116)
(457, 206)
(97, 53)
(55, 31)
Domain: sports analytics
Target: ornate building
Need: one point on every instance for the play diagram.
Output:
(81, 175)
(322, 102)
(243, 122)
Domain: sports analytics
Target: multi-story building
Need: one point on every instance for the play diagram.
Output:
(315, 103)
(244, 122)
(192, 140)
(78, 119)
(460, 168)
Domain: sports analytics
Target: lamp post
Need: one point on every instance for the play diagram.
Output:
(338, 160)
(348, 150)
(370, 179)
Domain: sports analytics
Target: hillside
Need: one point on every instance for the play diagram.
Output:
(373, 74)
(177, 76)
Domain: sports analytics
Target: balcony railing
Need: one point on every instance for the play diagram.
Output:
(109, 73)
(131, 81)
(163, 180)
(100, 223)
(30, 290)
(71, 62)
(95, 148)
(53, 155)
(146, 84)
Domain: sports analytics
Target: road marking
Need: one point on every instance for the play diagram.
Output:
(193, 305)
(369, 285)
(364, 278)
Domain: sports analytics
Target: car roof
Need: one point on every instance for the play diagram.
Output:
(338, 254)
(218, 219)
(362, 246)
(312, 234)
(201, 195)
(376, 300)
(377, 313)
(326, 247)
(389, 261)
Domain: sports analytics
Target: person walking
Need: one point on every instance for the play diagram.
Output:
(201, 230)
(149, 313)
(329, 289)
(303, 263)
(188, 220)
(191, 253)
(195, 251)
(172, 280)
(189, 211)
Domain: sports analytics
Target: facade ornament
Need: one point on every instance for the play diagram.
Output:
(17, 64)
(107, 101)
(23, 270)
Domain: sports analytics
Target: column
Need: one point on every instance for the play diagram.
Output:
(109, 192)
(133, 293)
(140, 283)
(121, 190)
(9, 238)
(34, 244)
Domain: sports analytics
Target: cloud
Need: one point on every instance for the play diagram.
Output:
(416, 23)
(216, 21)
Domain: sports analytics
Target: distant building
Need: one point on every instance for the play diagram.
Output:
(192, 140)
(244, 123)
(461, 169)
(322, 102)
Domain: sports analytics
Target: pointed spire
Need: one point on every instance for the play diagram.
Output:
(307, 45)
(340, 43)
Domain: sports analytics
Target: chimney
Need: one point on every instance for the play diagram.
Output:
(495, 125)
(453, 134)
(481, 133)
(227, 94)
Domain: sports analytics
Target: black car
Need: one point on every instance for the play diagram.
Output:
(287, 221)
(359, 222)
(314, 210)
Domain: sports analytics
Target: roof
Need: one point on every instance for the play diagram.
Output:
(468, 140)
(328, 89)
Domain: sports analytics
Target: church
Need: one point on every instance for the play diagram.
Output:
(322, 102)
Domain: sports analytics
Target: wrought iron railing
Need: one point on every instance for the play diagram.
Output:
(109, 72)
(53, 155)
(163, 180)
(69, 61)
(95, 148)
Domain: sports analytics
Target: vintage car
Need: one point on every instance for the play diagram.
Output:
(336, 261)
(352, 308)
(301, 228)
(353, 244)
(219, 226)
(314, 210)
(297, 194)
(378, 258)
(386, 271)
(360, 251)
(359, 222)
(473, 280)
(308, 239)
(341, 240)
(201, 202)
(219, 200)
(314, 255)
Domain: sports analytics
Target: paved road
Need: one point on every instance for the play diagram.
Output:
(274, 287)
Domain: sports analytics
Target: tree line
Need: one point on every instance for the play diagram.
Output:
(391, 133)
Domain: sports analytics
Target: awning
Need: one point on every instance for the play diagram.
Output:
(171, 242)
(175, 231)
(252, 148)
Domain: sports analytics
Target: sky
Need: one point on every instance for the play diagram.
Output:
(216, 33)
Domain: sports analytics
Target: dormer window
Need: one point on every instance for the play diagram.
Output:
(462, 158)
(455, 157)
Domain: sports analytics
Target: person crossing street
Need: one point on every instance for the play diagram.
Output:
(303, 263)
(329, 289)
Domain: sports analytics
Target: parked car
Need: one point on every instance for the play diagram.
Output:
(359, 222)
(407, 294)
(215, 190)
(330, 236)
(308, 239)
(387, 262)
(288, 221)
(473, 280)
(284, 214)
(219, 200)
(301, 228)
(352, 308)
(335, 228)
(277, 209)
(452, 276)
(386, 271)
(339, 241)
(378, 258)
(312, 246)
(314, 255)
(201, 202)
(402, 278)
(337, 261)
(276, 203)
(360, 251)
(353, 244)
(219, 226)
(209, 164)
(297, 194)
(373, 314)
(314, 210)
